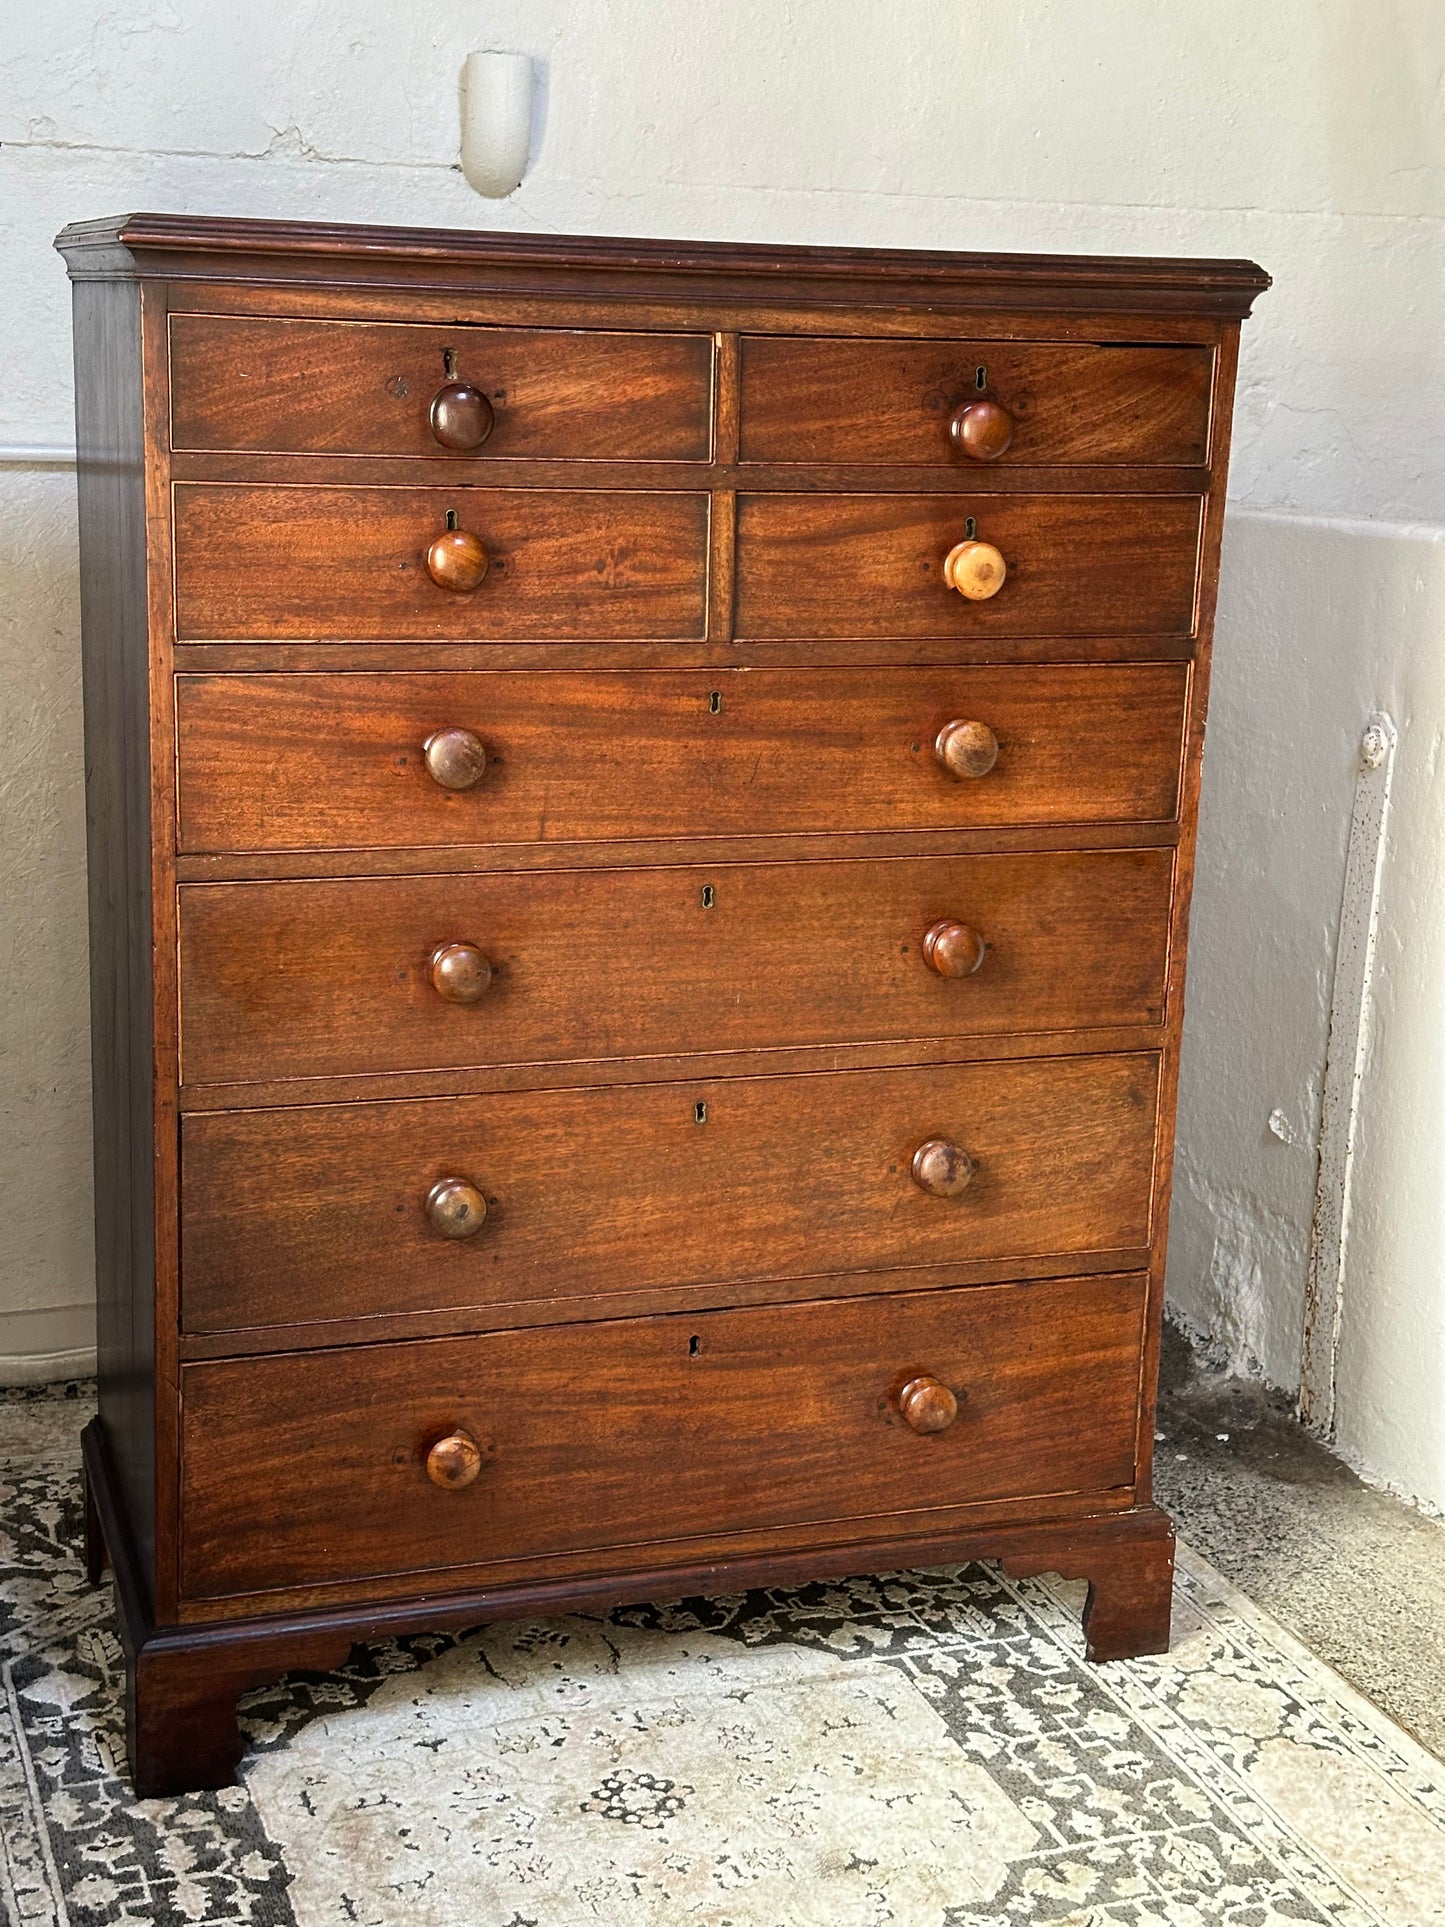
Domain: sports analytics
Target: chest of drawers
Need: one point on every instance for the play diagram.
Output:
(641, 805)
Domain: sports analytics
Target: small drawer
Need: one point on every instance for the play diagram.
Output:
(243, 385)
(511, 1453)
(352, 975)
(865, 566)
(278, 564)
(397, 760)
(972, 404)
(547, 1198)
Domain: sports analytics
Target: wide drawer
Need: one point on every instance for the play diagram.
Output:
(311, 762)
(265, 385)
(277, 564)
(645, 1433)
(893, 401)
(329, 978)
(332, 1210)
(864, 566)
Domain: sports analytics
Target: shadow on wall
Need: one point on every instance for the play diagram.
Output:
(46, 1253)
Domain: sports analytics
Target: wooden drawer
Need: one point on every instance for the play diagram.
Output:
(646, 1187)
(263, 385)
(319, 979)
(647, 1433)
(329, 762)
(872, 565)
(892, 401)
(275, 564)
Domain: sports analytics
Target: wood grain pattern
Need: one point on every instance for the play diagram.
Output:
(278, 563)
(872, 565)
(891, 401)
(115, 683)
(622, 1188)
(273, 762)
(355, 388)
(330, 978)
(730, 1421)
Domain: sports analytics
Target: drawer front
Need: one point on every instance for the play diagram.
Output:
(311, 762)
(286, 564)
(645, 1433)
(251, 385)
(640, 1187)
(872, 565)
(894, 401)
(339, 977)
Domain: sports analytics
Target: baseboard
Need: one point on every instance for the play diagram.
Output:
(39, 1346)
(45, 1368)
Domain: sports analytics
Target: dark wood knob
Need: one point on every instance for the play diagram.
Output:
(455, 758)
(459, 972)
(942, 1169)
(953, 949)
(461, 416)
(966, 749)
(926, 1404)
(454, 1461)
(457, 560)
(456, 1208)
(982, 430)
(976, 569)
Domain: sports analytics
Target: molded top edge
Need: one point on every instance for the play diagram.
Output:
(1128, 282)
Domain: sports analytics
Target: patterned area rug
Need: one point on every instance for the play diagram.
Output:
(925, 1748)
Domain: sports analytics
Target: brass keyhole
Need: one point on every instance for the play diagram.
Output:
(449, 360)
(699, 1111)
(970, 528)
(980, 377)
(714, 701)
(709, 896)
(451, 518)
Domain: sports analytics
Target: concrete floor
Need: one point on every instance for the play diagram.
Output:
(1355, 1574)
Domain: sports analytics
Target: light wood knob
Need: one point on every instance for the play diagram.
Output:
(455, 758)
(976, 569)
(456, 1208)
(926, 1404)
(454, 1461)
(461, 415)
(942, 1169)
(953, 949)
(457, 560)
(966, 749)
(459, 972)
(982, 430)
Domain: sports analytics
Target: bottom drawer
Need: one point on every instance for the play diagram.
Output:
(318, 1468)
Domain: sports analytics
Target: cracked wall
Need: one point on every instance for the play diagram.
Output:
(1304, 135)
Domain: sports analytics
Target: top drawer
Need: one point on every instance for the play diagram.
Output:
(1045, 403)
(264, 386)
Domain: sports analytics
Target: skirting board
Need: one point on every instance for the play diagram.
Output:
(43, 1345)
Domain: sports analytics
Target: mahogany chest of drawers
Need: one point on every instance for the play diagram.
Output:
(641, 804)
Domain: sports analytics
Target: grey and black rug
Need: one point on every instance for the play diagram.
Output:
(927, 1749)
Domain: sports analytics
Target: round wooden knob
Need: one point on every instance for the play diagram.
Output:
(461, 416)
(953, 949)
(926, 1404)
(981, 430)
(456, 1208)
(455, 758)
(942, 1169)
(966, 749)
(455, 1461)
(457, 560)
(459, 972)
(975, 569)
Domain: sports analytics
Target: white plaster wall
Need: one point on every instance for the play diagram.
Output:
(1306, 134)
